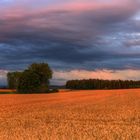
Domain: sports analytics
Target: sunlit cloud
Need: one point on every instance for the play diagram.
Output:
(129, 74)
(3, 75)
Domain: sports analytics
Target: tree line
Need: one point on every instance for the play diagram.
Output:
(102, 84)
(34, 79)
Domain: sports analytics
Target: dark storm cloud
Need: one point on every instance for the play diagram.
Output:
(70, 39)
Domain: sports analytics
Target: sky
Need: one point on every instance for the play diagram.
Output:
(80, 39)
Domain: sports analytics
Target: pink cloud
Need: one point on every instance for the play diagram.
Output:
(24, 8)
(18, 13)
(98, 74)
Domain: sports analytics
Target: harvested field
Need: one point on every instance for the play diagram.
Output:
(71, 115)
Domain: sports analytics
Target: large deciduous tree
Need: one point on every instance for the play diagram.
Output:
(35, 79)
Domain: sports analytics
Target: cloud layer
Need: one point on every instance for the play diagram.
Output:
(70, 35)
(60, 77)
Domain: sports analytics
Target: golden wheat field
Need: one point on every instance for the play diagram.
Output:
(71, 115)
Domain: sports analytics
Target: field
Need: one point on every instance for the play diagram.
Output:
(71, 115)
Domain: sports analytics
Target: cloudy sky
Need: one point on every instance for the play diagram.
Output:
(78, 38)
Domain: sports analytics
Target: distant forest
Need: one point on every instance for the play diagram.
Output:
(102, 84)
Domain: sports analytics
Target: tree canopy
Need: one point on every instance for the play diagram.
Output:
(102, 84)
(13, 79)
(35, 79)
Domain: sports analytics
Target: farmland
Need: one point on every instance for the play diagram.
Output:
(71, 115)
